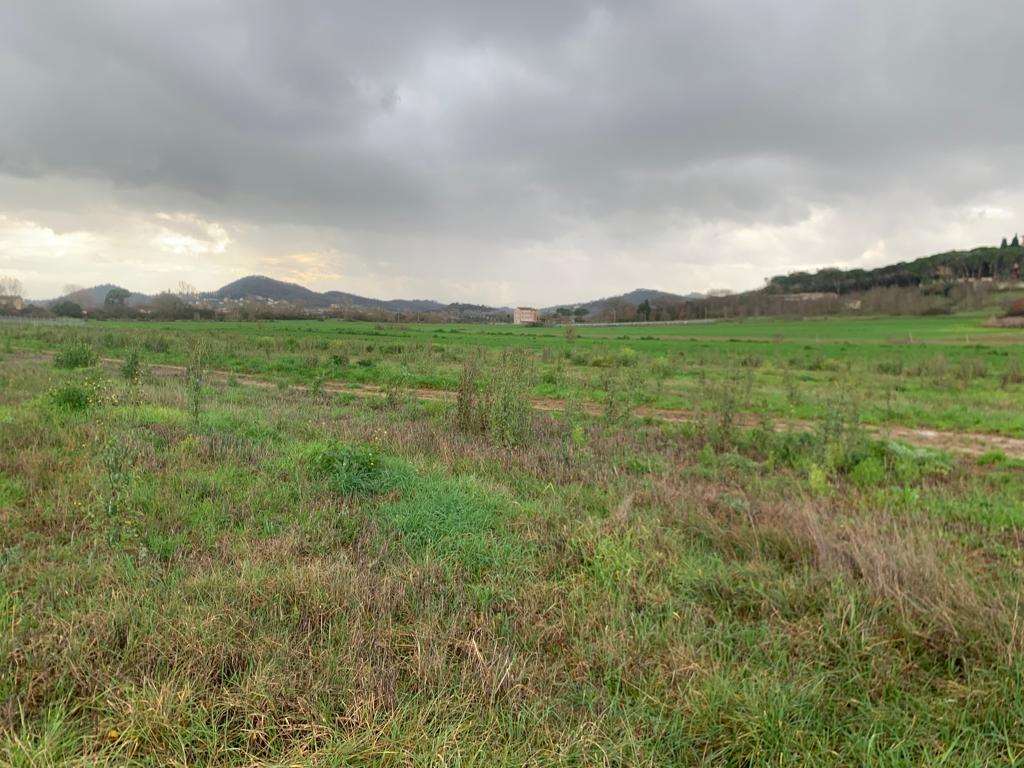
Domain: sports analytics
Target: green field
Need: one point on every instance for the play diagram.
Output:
(946, 372)
(196, 570)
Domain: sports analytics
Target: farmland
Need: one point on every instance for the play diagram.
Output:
(339, 543)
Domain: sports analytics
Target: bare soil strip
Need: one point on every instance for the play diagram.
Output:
(970, 443)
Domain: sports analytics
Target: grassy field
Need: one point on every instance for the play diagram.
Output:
(198, 572)
(946, 372)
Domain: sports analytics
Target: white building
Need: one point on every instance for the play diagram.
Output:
(525, 316)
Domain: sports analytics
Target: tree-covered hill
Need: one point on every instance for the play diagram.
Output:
(1003, 262)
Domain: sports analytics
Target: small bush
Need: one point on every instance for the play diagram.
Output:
(75, 355)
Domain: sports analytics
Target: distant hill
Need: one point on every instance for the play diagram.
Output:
(633, 299)
(91, 298)
(267, 289)
(261, 287)
(997, 263)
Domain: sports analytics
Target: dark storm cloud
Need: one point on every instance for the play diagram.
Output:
(515, 121)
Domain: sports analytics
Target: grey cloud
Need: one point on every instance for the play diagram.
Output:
(509, 122)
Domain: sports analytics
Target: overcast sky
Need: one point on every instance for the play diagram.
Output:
(508, 152)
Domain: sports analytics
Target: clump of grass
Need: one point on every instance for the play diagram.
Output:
(573, 432)
(722, 402)
(131, 368)
(509, 411)
(194, 373)
(890, 367)
(497, 405)
(1014, 374)
(618, 398)
(469, 416)
(351, 470)
(157, 344)
(392, 398)
(76, 354)
(75, 396)
(972, 368)
(118, 458)
(911, 571)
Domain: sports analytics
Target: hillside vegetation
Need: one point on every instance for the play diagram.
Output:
(998, 263)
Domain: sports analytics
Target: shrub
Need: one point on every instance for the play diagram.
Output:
(77, 354)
